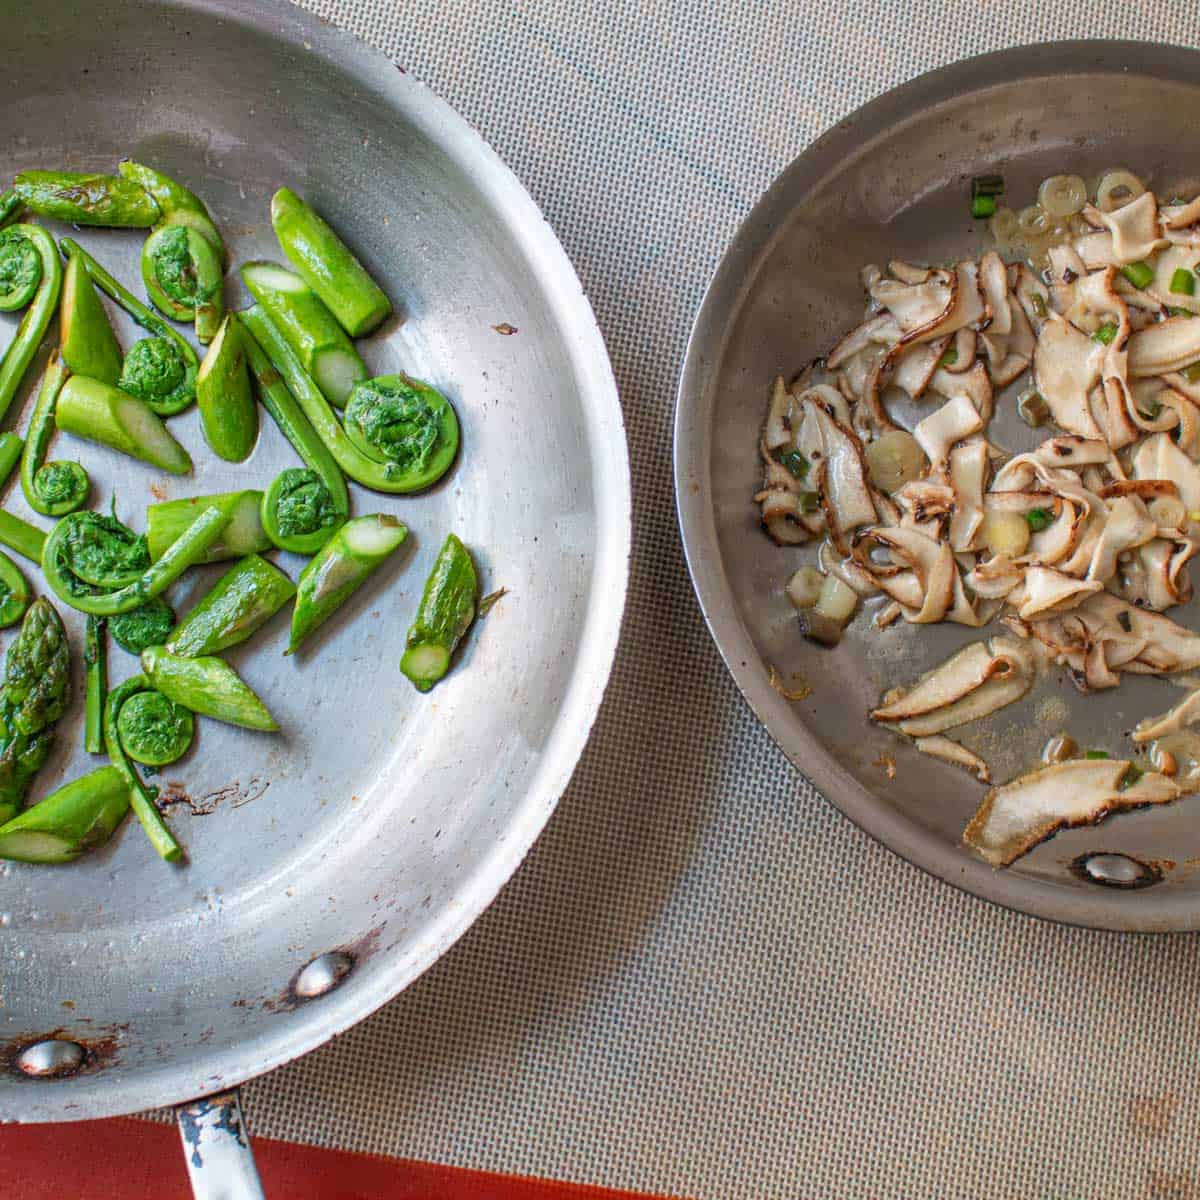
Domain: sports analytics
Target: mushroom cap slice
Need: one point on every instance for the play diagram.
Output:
(955, 753)
(1179, 716)
(1158, 457)
(956, 419)
(1014, 818)
(1168, 346)
(1066, 366)
(961, 673)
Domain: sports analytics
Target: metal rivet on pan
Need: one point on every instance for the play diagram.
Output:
(51, 1058)
(1116, 870)
(323, 974)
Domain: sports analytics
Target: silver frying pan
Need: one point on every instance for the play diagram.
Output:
(332, 865)
(892, 180)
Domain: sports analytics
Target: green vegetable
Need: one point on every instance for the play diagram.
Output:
(809, 502)
(147, 625)
(446, 612)
(177, 205)
(1172, 311)
(10, 207)
(11, 446)
(95, 661)
(185, 277)
(141, 798)
(86, 199)
(241, 602)
(1038, 519)
(983, 207)
(393, 414)
(14, 592)
(36, 692)
(105, 553)
(949, 358)
(795, 462)
(987, 185)
(79, 816)
(1183, 282)
(207, 686)
(304, 536)
(1105, 334)
(62, 564)
(311, 330)
(1192, 373)
(54, 488)
(339, 568)
(1039, 304)
(38, 315)
(1140, 274)
(150, 373)
(327, 265)
(154, 730)
(1096, 754)
(228, 414)
(167, 522)
(20, 270)
(27, 540)
(102, 413)
(86, 339)
(298, 513)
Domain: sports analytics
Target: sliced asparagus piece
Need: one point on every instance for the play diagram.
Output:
(14, 592)
(207, 686)
(327, 265)
(228, 414)
(79, 816)
(102, 413)
(242, 601)
(86, 339)
(168, 521)
(446, 612)
(178, 205)
(95, 661)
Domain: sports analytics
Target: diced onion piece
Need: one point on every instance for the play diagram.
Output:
(837, 600)
(804, 587)
(1005, 533)
(1032, 407)
(1168, 512)
(894, 460)
(1062, 195)
(1116, 189)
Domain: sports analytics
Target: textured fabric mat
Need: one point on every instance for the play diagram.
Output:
(705, 980)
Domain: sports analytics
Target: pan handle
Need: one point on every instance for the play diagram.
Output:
(220, 1162)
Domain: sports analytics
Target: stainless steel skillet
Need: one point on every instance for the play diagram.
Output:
(892, 180)
(381, 823)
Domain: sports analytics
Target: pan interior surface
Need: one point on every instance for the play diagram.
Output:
(893, 181)
(380, 822)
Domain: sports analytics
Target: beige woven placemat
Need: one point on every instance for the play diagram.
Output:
(704, 980)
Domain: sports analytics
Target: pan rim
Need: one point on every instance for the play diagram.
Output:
(1146, 911)
(135, 1087)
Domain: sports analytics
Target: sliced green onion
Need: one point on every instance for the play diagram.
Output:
(1096, 754)
(1132, 774)
(1038, 519)
(1105, 334)
(1139, 274)
(1039, 304)
(795, 462)
(1192, 373)
(1180, 312)
(809, 502)
(1183, 282)
(949, 358)
(983, 207)
(987, 185)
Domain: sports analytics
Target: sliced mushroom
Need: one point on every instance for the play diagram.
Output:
(1066, 366)
(1128, 525)
(880, 330)
(961, 673)
(845, 495)
(1159, 458)
(1172, 259)
(974, 384)
(1179, 716)
(908, 272)
(1046, 590)
(968, 474)
(1072, 451)
(993, 279)
(917, 307)
(937, 433)
(1179, 216)
(1133, 228)
(956, 754)
(1167, 346)
(962, 358)
(1014, 818)
(915, 365)
(994, 578)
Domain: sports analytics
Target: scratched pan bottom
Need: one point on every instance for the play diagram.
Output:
(379, 822)
(891, 181)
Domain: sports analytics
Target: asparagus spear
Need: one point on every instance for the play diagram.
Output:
(178, 205)
(81, 198)
(228, 414)
(309, 535)
(14, 592)
(164, 377)
(207, 686)
(54, 488)
(86, 339)
(61, 570)
(147, 625)
(105, 414)
(36, 692)
(311, 330)
(446, 612)
(140, 797)
(395, 469)
(79, 816)
(339, 568)
(154, 730)
(327, 265)
(185, 277)
(167, 522)
(95, 661)
(20, 239)
(241, 601)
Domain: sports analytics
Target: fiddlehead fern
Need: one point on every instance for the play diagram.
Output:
(53, 488)
(26, 248)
